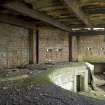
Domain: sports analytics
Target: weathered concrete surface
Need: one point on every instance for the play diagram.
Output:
(14, 46)
(18, 47)
(99, 68)
(66, 77)
(74, 48)
(91, 48)
(54, 45)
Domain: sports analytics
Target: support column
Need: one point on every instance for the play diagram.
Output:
(70, 48)
(74, 48)
(37, 46)
(32, 45)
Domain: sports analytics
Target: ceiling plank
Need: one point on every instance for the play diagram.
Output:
(75, 8)
(24, 10)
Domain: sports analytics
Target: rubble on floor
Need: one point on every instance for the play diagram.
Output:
(37, 89)
(43, 95)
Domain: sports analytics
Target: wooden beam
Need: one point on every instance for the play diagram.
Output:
(52, 8)
(85, 33)
(75, 8)
(23, 9)
(13, 20)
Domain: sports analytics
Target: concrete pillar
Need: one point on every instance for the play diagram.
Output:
(86, 81)
(70, 47)
(32, 38)
(37, 46)
(74, 49)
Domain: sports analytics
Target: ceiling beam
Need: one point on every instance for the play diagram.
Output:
(75, 8)
(52, 8)
(13, 20)
(87, 33)
(24, 10)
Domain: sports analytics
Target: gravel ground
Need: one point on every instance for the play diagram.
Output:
(43, 95)
(20, 93)
(38, 94)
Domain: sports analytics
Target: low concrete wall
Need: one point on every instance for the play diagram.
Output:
(99, 67)
(67, 77)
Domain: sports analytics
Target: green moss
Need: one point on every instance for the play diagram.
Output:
(40, 79)
(25, 80)
(94, 59)
(55, 67)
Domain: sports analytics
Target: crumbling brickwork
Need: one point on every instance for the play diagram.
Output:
(54, 45)
(14, 46)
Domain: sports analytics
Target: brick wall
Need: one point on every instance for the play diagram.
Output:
(53, 45)
(14, 46)
(91, 48)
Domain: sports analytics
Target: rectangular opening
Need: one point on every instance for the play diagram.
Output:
(80, 83)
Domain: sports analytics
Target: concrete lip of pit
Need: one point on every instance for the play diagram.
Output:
(74, 78)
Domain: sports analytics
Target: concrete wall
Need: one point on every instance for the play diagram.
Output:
(18, 45)
(66, 77)
(99, 67)
(54, 45)
(91, 48)
(14, 46)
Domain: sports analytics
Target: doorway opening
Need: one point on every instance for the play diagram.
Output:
(80, 83)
